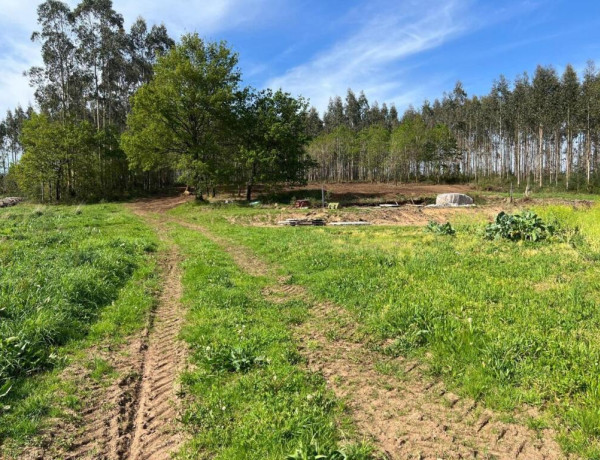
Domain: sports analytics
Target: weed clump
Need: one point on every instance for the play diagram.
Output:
(440, 229)
(233, 359)
(519, 227)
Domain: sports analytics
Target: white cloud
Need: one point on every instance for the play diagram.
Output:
(366, 59)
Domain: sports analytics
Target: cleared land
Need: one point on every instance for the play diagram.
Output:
(248, 340)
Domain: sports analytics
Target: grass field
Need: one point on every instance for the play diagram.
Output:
(70, 277)
(249, 396)
(290, 332)
(509, 324)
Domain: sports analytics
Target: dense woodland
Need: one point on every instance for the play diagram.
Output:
(536, 131)
(120, 112)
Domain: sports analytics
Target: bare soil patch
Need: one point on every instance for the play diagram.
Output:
(400, 216)
(387, 190)
(406, 414)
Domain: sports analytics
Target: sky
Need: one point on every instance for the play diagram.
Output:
(397, 51)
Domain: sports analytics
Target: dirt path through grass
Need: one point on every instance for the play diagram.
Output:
(152, 431)
(392, 402)
(135, 418)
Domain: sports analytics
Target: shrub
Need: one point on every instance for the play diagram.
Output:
(518, 227)
(440, 229)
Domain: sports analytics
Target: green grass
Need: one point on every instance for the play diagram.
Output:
(509, 324)
(247, 393)
(70, 278)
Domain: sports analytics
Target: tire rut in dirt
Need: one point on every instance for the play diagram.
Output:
(153, 431)
(135, 417)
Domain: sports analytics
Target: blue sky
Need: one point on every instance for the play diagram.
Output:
(400, 52)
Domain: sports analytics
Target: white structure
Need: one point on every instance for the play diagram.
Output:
(453, 199)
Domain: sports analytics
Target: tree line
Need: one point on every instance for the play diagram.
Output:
(543, 130)
(69, 146)
(121, 111)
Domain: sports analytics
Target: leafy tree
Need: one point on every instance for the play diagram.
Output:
(55, 158)
(57, 81)
(570, 104)
(334, 116)
(352, 111)
(314, 125)
(273, 140)
(183, 118)
(546, 97)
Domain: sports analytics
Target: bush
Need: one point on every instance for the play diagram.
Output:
(518, 227)
(440, 229)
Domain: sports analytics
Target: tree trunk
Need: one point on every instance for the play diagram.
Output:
(540, 155)
(569, 150)
(588, 141)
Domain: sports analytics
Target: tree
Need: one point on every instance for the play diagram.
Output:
(352, 110)
(273, 140)
(334, 116)
(590, 111)
(183, 118)
(546, 96)
(570, 90)
(55, 157)
(56, 81)
(314, 125)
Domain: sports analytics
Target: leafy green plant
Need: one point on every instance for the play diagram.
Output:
(312, 451)
(519, 227)
(233, 358)
(440, 229)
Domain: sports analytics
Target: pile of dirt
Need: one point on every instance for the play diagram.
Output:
(397, 216)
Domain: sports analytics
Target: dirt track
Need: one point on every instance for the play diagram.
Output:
(136, 416)
(154, 433)
(405, 417)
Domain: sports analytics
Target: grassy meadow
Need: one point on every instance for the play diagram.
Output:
(248, 395)
(509, 324)
(71, 277)
(513, 325)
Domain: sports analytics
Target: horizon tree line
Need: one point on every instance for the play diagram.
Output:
(103, 95)
(538, 131)
(121, 112)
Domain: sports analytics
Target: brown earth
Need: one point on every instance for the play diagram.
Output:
(387, 190)
(400, 216)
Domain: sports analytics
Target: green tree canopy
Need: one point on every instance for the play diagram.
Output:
(273, 138)
(183, 117)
